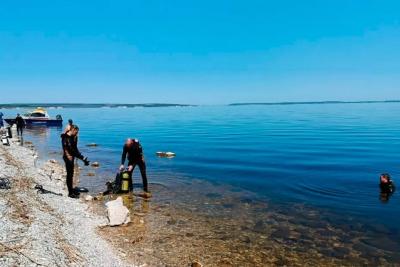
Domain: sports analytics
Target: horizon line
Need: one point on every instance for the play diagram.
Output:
(77, 104)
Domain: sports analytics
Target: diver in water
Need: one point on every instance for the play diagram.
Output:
(387, 187)
(70, 152)
(20, 124)
(134, 152)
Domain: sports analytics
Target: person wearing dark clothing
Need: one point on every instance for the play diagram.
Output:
(20, 122)
(1, 120)
(133, 151)
(70, 152)
(69, 125)
(387, 187)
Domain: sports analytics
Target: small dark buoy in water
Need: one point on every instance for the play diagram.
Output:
(165, 154)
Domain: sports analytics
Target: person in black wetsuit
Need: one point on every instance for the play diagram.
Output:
(20, 122)
(387, 187)
(70, 152)
(69, 125)
(1, 120)
(134, 152)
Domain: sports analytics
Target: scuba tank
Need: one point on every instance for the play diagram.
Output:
(9, 133)
(125, 182)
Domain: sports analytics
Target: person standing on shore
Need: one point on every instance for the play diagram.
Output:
(70, 152)
(134, 152)
(20, 124)
(69, 125)
(1, 120)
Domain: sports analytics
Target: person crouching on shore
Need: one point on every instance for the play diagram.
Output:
(70, 152)
(134, 152)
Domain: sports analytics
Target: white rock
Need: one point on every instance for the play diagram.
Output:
(88, 198)
(118, 214)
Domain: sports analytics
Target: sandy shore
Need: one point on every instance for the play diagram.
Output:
(45, 229)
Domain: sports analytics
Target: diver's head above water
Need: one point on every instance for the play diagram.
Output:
(386, 184)
(385, 178)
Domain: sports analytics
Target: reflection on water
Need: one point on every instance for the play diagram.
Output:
(39, 131)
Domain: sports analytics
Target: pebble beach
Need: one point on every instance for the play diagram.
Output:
(46, 229)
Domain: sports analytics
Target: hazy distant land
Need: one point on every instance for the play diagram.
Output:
(83, 105)
(313, 102)
(155, 105)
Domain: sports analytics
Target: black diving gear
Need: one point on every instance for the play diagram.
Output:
(70, 152)
(41, 190)
(5, 183)
(134, 154)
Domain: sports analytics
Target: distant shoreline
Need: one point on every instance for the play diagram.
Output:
(157, 105)
(83, 105)
(313, 103)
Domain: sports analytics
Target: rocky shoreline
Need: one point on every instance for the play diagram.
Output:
(178, 226)
(46, 229)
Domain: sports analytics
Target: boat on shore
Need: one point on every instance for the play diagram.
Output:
(39, 117)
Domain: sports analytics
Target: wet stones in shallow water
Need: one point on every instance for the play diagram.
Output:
(281, 232)
(260, 227)
(228, 205)
(196, 264)
(245, 239)
(246, 200)
(366, 251)
(383, 243)
(325, 232)
(339, 253)
(213, 195)
(172, 222)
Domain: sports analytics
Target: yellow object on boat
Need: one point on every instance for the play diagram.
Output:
(39, 110)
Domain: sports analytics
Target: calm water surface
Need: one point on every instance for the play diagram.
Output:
(326, 156)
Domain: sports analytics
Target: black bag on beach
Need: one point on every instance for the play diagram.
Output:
(114, 187)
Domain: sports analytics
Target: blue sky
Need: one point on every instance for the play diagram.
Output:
(200, 52)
